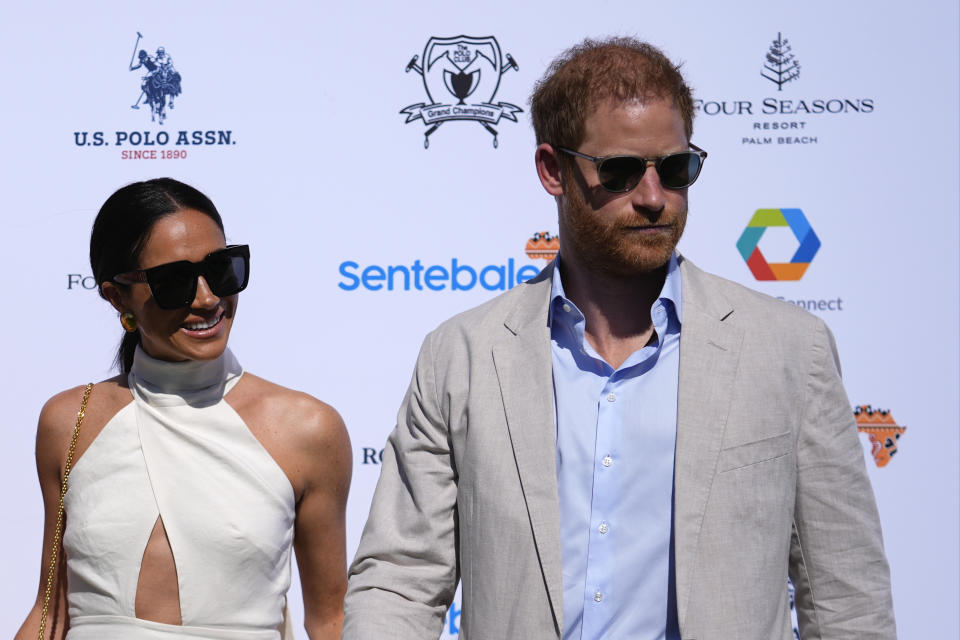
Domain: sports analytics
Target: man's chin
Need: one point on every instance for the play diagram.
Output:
(631, 266)
(633, 260)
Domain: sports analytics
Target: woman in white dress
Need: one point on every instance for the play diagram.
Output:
(191, 478)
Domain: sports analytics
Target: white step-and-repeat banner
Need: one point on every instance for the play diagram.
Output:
(378, 202)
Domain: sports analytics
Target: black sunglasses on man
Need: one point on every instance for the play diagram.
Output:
(619, 174)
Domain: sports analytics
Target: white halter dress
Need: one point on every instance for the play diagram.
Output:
(181, 453)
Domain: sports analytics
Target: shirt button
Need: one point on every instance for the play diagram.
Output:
(566, 307)
(612, 397)
(659, 316)
(607, 461)
(597, 597)
(603, 528)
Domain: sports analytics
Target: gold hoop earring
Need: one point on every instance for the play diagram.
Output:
(128, 321)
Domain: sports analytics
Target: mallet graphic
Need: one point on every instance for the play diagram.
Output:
(414, 66)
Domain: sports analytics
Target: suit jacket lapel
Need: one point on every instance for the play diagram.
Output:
(524, 369)
(709, 354)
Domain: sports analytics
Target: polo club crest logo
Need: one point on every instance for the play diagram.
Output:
(781, 66)
(161, 83)
(455, 69)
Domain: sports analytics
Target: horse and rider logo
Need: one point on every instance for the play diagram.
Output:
(461, 67)
(160, 85)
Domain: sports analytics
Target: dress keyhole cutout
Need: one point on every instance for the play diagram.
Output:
(158, 592)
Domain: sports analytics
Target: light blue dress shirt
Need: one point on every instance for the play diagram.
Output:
(616, 438)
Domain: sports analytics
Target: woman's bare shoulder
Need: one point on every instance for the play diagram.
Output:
(308, 419)
(298, 430)
(58, 417)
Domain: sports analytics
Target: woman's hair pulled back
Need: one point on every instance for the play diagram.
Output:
(122, 228)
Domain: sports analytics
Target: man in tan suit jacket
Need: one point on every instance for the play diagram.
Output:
(768, 477)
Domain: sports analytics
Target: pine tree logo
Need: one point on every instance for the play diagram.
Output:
(781, 66)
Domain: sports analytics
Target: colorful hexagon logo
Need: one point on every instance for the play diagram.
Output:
(761, 221)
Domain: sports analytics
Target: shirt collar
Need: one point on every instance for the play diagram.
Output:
(672, 290)
(672, 287)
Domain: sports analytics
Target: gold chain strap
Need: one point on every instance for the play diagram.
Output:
(63, 491)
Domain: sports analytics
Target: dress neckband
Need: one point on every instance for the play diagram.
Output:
(191, 375)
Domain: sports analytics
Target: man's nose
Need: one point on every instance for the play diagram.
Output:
(649, 193)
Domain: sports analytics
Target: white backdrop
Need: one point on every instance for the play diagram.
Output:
(320, 169)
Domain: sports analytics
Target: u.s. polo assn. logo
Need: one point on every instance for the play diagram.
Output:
(461, 67)
(151, 73)
(160, 83)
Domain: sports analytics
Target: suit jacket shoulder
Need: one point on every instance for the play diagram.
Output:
(750, 304)
(525, 303)
(759, 316)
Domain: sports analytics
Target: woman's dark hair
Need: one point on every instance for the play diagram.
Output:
(121, 230)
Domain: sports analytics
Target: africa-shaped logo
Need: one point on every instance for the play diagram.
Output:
(459, 68)
(882, 430)
(543, 245)
(763, 219)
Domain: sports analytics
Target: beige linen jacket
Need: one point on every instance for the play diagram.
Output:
(769, 477)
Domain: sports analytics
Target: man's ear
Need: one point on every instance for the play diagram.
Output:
(113, 295)
(548, 169)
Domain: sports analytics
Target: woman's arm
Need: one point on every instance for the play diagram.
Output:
(54, 431)
(320, 530)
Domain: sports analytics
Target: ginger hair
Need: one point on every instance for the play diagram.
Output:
(592, 72)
